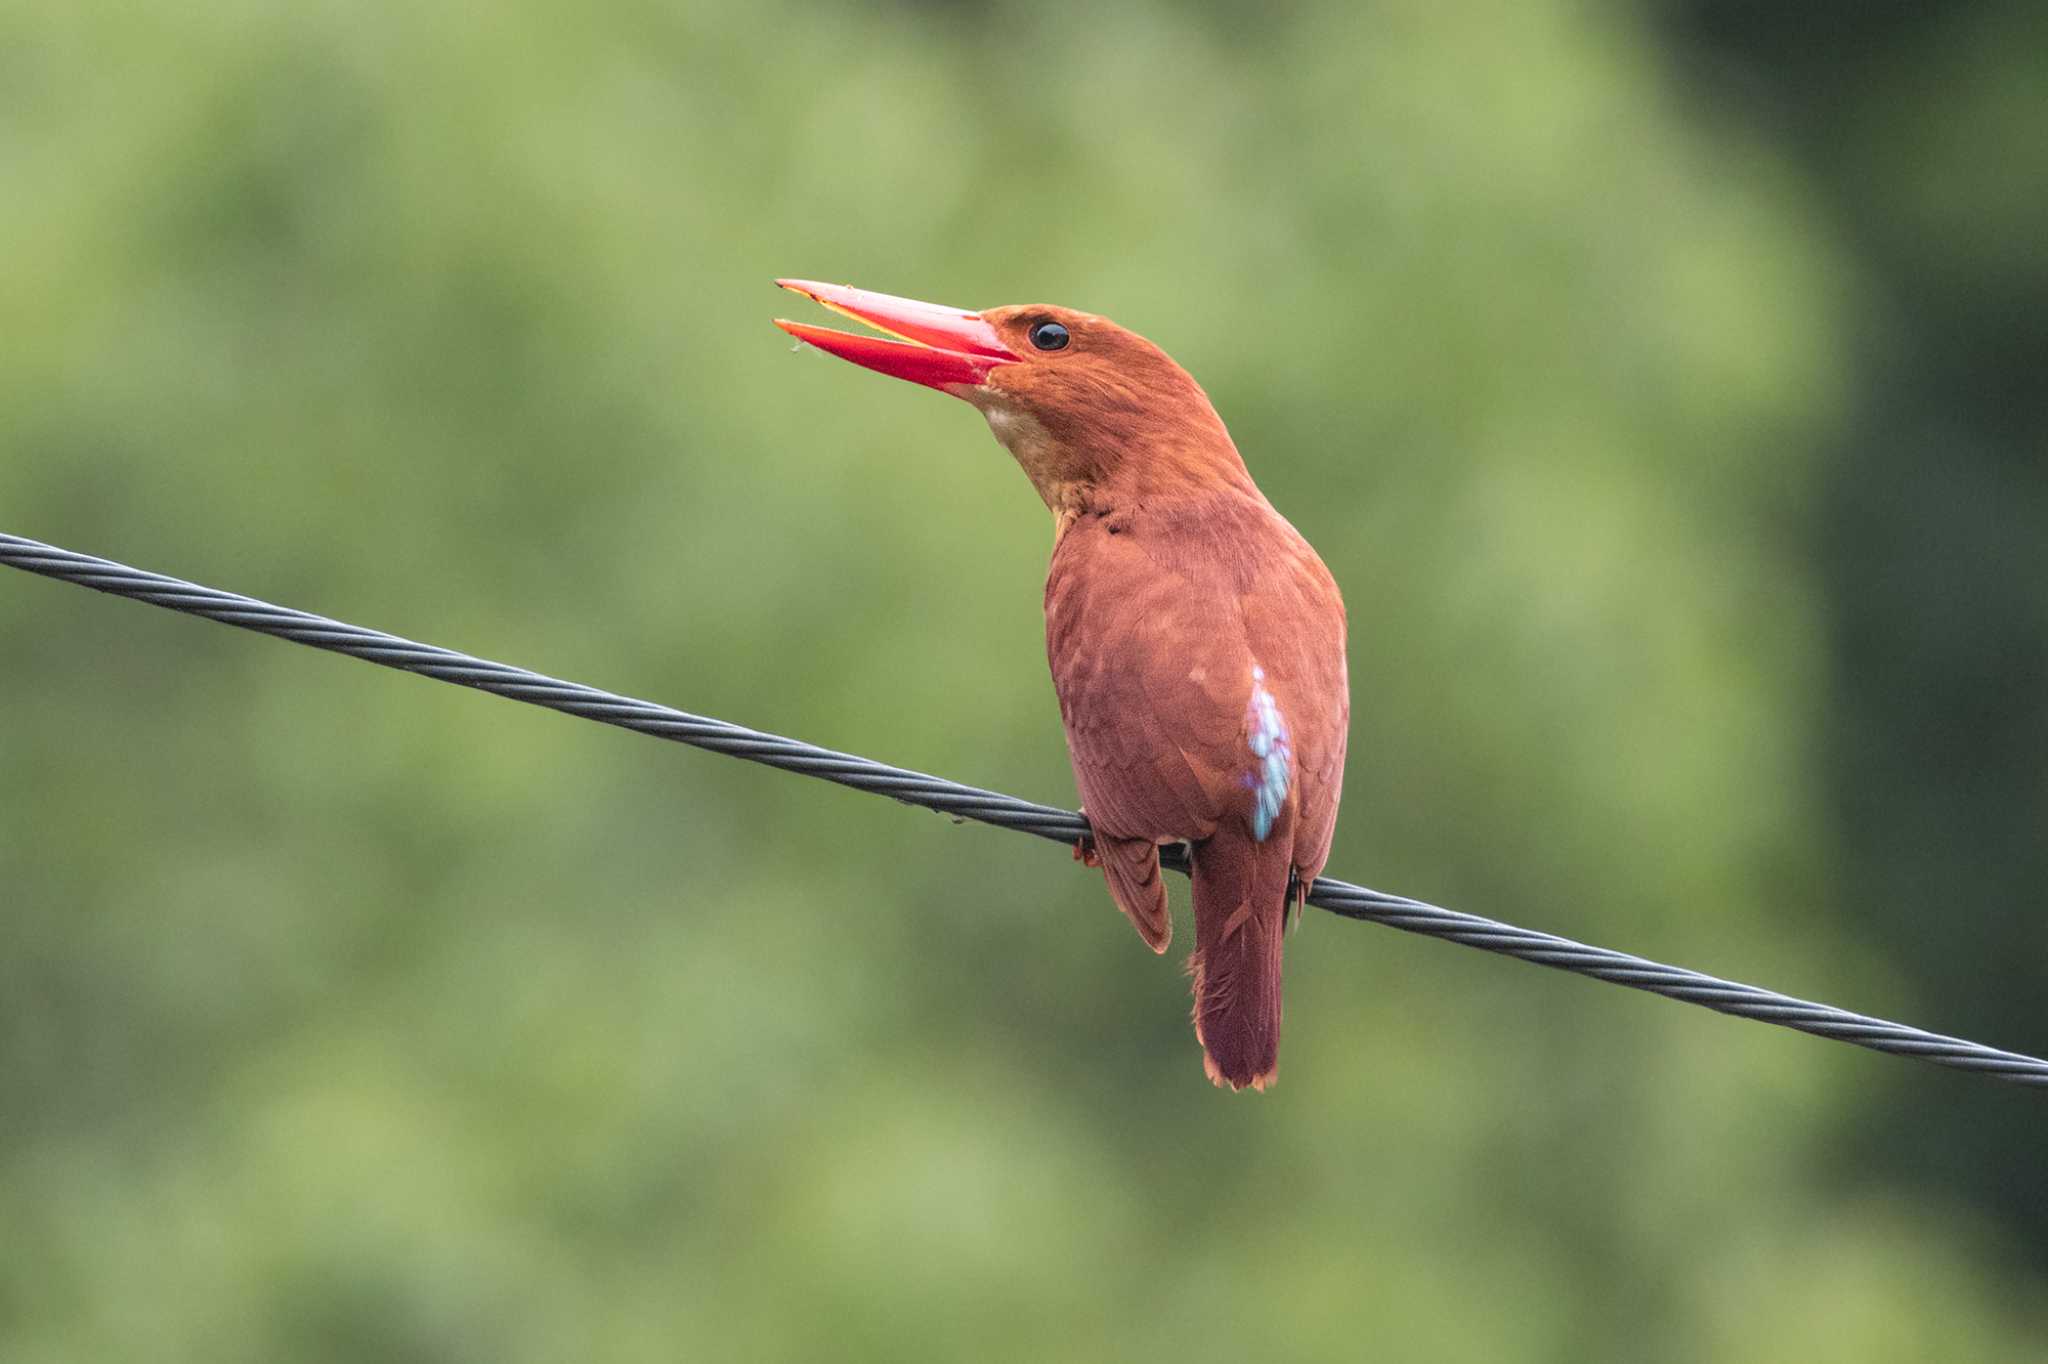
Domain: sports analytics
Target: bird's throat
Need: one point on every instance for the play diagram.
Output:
(1190, 462)
(1037, 452)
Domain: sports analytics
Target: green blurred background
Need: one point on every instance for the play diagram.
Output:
(1663, 385)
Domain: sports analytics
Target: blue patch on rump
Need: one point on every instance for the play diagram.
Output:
(1273, 770)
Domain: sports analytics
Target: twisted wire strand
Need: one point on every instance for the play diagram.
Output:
(993, 807)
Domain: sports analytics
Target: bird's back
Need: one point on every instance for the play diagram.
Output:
(1198, 652)
(1163, 626)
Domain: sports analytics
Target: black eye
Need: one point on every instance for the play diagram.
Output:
(1048, 336)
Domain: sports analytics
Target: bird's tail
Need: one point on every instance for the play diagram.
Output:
(1240, 915)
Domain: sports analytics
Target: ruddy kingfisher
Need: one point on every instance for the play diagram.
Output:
(1196, 641)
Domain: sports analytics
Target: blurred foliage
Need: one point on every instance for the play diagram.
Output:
(1661, 384)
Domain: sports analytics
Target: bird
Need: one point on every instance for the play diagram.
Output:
(1196, 641)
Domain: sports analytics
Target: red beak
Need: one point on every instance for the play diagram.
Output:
(943, 348)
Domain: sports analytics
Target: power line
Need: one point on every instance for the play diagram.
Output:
(993, 807)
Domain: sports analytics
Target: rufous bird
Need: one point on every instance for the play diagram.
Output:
(1196, 641)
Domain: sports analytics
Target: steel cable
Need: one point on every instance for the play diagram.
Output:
(993, 807)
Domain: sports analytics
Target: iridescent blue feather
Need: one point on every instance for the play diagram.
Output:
(1273, 770)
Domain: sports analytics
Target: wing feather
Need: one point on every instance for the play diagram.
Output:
(1145, 666)
(1153, 626)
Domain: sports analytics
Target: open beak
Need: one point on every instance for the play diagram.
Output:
(940, 347)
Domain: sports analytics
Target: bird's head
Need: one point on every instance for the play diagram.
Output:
(1093, 412)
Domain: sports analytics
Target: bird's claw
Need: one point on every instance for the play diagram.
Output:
(1085, 854)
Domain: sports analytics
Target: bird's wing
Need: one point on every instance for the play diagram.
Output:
(1294, 620)
(1153, 676)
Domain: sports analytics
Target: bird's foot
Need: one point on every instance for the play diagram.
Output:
(1084, 846)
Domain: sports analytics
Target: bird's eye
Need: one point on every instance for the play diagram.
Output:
(1049, 336)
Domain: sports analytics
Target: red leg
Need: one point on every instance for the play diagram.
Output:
(1084, 848)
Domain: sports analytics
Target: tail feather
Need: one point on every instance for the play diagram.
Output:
(1131, 866)
(1241, 900)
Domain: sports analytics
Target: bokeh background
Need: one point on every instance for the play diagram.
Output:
(1662, 383)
